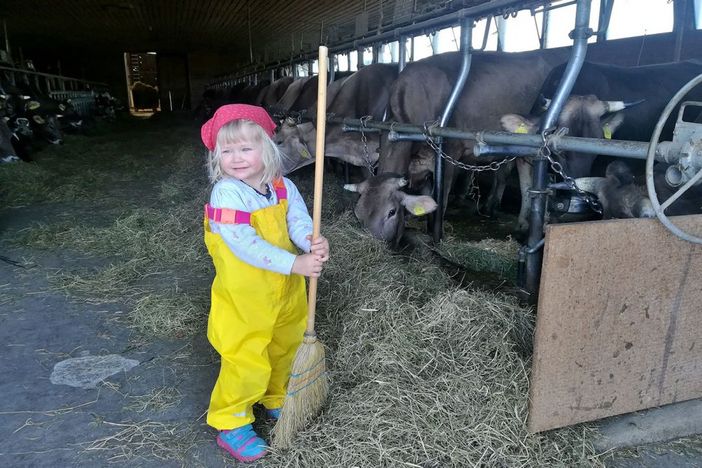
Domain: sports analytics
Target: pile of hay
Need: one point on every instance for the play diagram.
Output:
(423, 374)
(144, 223)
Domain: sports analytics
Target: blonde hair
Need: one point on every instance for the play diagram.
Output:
(245, 130)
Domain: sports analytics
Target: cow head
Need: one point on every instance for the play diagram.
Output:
(292, 142)
(584, 116)
(381, 207)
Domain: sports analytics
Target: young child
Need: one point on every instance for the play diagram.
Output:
(253, 224)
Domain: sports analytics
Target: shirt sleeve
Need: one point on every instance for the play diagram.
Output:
(299, 221)
(243, 240)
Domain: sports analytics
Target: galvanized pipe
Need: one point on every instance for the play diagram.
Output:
(537, 214)
(466, 42)
(402, 51)
(665, 152)
(7, 38)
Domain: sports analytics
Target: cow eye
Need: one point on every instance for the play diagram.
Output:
(391, 213)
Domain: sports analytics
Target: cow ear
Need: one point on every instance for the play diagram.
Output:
(516, 123)
(611, 124)
(418, 205)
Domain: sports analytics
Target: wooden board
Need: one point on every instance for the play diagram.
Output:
(619, 321)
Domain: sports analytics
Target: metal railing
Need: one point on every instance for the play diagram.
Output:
(46, 82)
(80, 92)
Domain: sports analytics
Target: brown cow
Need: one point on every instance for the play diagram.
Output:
(364, 93)
(498, 83)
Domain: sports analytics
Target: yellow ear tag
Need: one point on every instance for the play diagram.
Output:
(521, 129)
(419, 210)
(607, 131)
(33, 105)
(305, 154)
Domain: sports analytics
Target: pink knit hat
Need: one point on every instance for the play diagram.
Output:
(229, 112)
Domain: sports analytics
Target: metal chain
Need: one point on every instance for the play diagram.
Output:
(364, 140)
(545, 151)
(547, 136)
(493, 166)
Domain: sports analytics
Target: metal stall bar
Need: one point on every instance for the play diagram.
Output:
(580, 34)
(95, 85)
(466, 40)
(665, 151)
(402, 51)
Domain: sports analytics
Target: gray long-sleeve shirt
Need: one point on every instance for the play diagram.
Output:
(242, 238)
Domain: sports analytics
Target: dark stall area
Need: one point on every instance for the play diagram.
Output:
(374, 233)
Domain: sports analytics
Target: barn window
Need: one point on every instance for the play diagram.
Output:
(640, 18)
(698, 14)
(422, 47)
(447, 40)
(342, 62)
(520, 33)
(367, 56)
(479, 35)
(301, 69)
(561, 22)
(353, 60)
(388, 53)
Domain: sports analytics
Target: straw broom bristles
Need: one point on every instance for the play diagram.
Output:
(307, 391)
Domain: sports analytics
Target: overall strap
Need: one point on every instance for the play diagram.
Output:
(280, 191)
(227, 216)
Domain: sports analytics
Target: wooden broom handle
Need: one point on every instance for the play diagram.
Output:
(318, 176)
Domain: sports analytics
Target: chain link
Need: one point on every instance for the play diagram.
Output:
(547, 136)
(545, 151)
(493, 166)
(364, 140)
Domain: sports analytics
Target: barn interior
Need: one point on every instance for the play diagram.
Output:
(430, 345)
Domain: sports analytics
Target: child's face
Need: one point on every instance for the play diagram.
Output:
(243, 160)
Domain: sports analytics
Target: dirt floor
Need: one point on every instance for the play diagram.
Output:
(83, 382)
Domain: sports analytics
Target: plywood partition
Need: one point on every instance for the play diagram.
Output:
(619, 321)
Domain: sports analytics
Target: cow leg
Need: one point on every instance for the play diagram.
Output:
(497, 190)
(525, 175)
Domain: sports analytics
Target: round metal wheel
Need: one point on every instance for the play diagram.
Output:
(650, 158)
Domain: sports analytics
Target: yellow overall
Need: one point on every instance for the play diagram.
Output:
(257, 318)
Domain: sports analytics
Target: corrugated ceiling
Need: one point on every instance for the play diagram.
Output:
(277, 28)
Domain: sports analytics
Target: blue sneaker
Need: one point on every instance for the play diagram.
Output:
(273, 413)
(242, 443)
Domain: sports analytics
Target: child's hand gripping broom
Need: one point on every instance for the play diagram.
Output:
(308, 385)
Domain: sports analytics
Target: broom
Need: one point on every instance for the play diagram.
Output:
(308, 386)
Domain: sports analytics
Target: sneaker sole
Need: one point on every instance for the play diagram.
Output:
(239, 457)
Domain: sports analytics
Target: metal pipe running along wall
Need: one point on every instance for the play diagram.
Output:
(665, 151)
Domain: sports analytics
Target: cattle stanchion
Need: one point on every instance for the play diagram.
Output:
(538, 191)
(437, 219)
